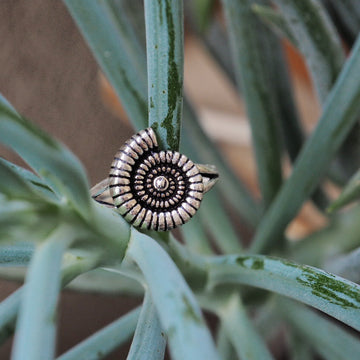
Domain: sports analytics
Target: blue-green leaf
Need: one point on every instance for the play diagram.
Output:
(331, 341)
(30, 178)
(331, 294)
(222, 230)
(178, 311)
(16, 187)
(195, 237)
(105, 340)
(202, 149)
(348, 11)
(202, 11)
(22, 220)
(113, 44)
(217, 43)
(61, 170)
(15, 213)
(149, 340)
(250, 52)
(16, 255)
(320, 247)
(347, 265)
(8, 312)
(240, 330)
(35, 336)
(339, 116)
(350, 193)
(299, 349)
(276, 21)
(293, 134)
(317, 39)
(9, 307)
(223, 344)
(105, 282)
(165, 63)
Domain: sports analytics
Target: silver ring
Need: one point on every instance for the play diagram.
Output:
(154, 189)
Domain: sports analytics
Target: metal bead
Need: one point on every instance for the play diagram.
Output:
(154, 189)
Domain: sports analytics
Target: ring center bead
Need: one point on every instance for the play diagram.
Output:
(161, 183)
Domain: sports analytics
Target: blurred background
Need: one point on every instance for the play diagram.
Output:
(49, 75)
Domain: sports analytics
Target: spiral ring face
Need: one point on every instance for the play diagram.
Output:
(154, 189)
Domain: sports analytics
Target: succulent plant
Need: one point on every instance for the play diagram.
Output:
(259, 288)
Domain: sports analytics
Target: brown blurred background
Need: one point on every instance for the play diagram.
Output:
(49, 75)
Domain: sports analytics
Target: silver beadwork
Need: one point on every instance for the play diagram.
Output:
(155, 189)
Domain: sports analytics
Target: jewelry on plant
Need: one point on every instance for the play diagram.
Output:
(154, 189)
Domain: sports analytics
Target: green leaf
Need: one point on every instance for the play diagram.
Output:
(331, 341)
(223, 344)
(105, 282)
(348, 11)
(34, 181)
(202, 149)
(250, 55)
(281, 89)
(23, 221)
(240, 330)
(35, 335)
(110, 230)
(15, 187)
(16, 255)
(300, 350)
(134, 12)
(165, 63)
(339, 115)
(276, 21)
(149, 340)
(322, 246)
(331, 294)
(9, 307)
(349, 194)
(191, 265)
(14, 213)
(266, 321)
(202, 11)
(217, 43)
(114, 46)
(8, 312)
(130, 25)
(347, 265)
(104, 341)
(59, 168)
(222, 230)
(178, 311)
(195, 237)
(293, 134)
(317, 40)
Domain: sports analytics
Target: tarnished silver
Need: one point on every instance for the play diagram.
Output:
(154, 189)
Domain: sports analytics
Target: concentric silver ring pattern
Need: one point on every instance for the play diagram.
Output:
(154, 189)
